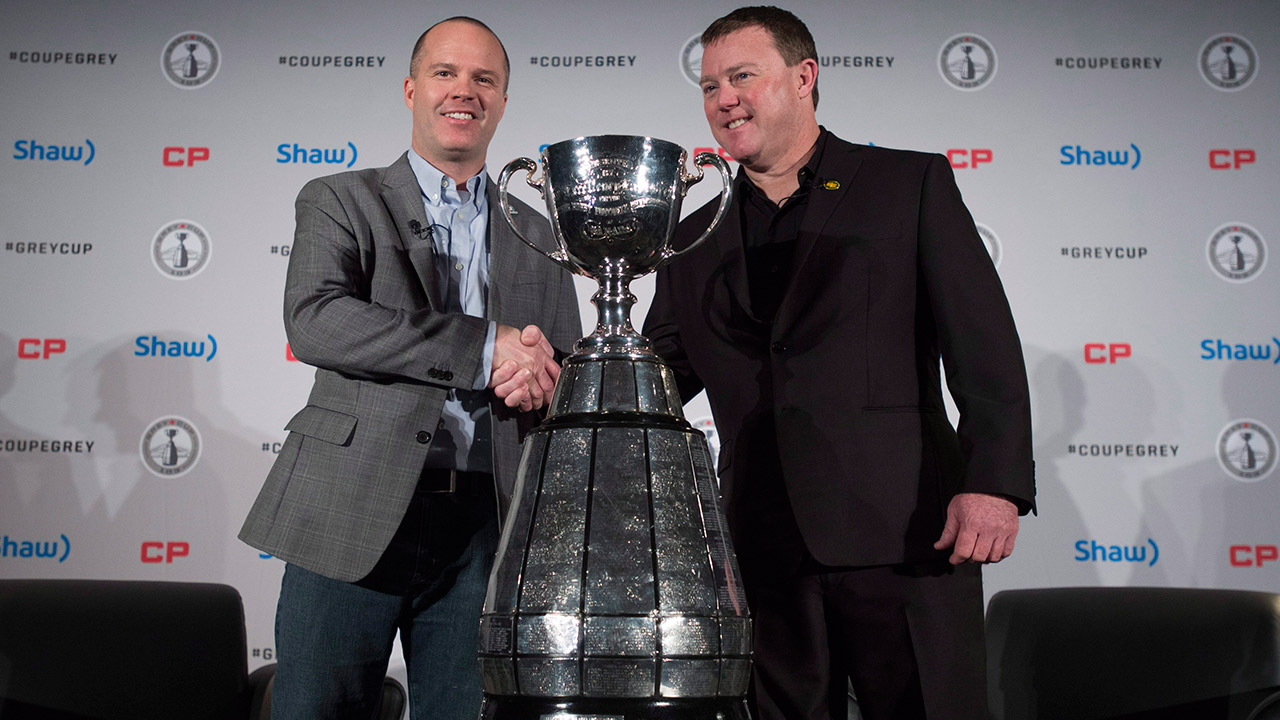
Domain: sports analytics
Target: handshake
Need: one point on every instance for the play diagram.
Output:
(524, 370)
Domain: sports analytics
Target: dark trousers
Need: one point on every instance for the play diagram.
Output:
(334, 639)
(909, 637)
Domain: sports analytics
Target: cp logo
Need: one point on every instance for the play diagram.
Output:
(715, 150)
(1253, 555)
(961, 158)
(179, 156)
(1095, 353)
(158, 552)
(1223, 159)
(41, 348)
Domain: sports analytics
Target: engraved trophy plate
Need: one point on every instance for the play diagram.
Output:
(615, 592)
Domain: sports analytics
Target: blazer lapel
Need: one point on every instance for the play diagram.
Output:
(834, 180)
(403, 198)
(728, 240)
(504, 252)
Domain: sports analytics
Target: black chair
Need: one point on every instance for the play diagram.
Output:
(1129, 653)
(131, 650)
(394, 697)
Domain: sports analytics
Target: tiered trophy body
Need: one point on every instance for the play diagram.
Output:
(615, 594)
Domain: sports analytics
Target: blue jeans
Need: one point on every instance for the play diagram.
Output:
(334, 639)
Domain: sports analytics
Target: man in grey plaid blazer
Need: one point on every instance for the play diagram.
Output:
(432, 329)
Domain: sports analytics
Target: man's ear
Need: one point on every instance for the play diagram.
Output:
(808, 77)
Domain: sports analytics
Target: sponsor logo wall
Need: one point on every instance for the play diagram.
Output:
(1120, 165)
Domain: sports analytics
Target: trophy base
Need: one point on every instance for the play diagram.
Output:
(526, 708)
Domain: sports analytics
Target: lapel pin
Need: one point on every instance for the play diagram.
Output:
(830, 184)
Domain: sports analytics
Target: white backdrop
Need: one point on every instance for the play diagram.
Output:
(1113, 171)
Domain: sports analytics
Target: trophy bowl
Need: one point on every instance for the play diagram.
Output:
(614, 200)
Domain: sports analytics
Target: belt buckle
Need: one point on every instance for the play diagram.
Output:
(453, 484)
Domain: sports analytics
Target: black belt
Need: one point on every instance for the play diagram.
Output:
(457, 482)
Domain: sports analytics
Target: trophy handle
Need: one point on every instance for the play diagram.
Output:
(700, 160)
(559, 256)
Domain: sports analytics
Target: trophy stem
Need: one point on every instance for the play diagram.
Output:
(614, 333)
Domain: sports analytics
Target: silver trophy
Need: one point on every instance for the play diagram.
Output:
(615, 594)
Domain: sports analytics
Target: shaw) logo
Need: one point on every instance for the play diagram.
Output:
(992, 242)
(170, 446)
(190, 60)
(967, 62)
(1094, 551)
(691, 60)
(32, 150)
(181, 249)
(1219, 349)
(1079, 156)
(38, 549)
(294, 153)
(1237, 252)
(1228, 62)
(1247, 450)
(152, 346)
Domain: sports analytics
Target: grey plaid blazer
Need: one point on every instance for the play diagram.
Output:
(359, 305)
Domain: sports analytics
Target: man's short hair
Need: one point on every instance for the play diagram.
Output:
(790, 36)
(417, 47)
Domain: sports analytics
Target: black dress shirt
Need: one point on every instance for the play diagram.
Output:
(769, 232)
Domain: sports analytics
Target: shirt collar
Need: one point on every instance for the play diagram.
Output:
(440, 189)
(804, 176)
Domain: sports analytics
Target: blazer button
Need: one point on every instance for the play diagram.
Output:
(448, 374)
(424, 437)
(778, 347)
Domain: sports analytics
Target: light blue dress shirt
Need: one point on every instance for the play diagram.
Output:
(458, 217)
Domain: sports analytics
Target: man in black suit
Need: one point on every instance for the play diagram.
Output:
(815, 318)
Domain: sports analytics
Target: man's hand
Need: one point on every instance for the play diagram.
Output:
(980, 528)
(524, 368)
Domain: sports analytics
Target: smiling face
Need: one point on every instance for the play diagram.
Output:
(457, 97)
(758, 107)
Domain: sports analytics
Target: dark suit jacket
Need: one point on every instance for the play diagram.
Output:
(360, 305)
(889, 275)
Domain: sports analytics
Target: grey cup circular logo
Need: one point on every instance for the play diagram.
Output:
(181, 249)
(691, 60)
(707, 427)
(1236, 252)
(991, 241)
(191, 60)
(1228, 62)
(967, 62)
(170, 446)
(1247, 450)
